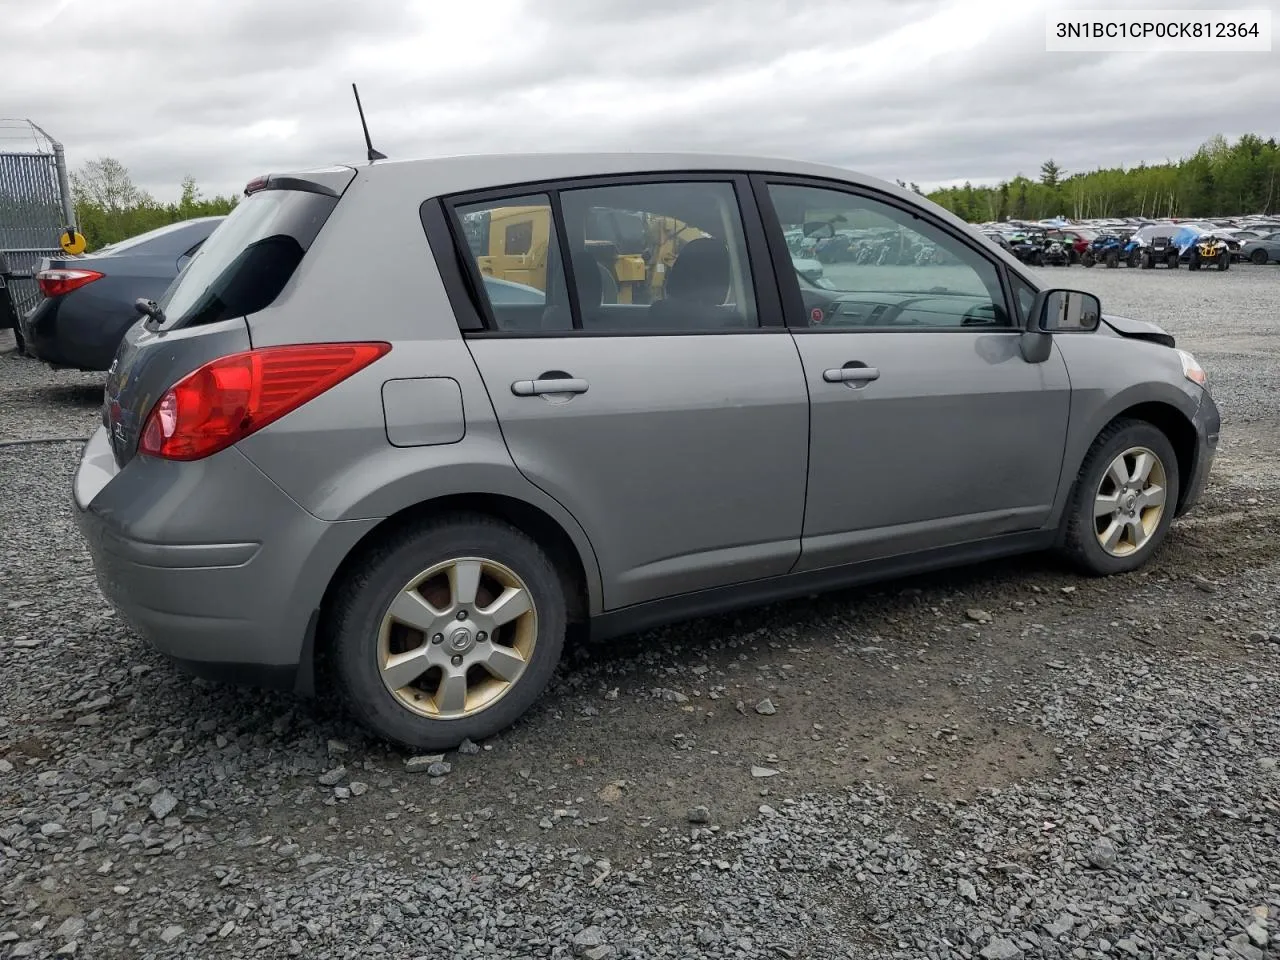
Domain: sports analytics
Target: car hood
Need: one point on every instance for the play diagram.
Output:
(1138, 329)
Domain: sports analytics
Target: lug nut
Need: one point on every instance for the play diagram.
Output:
(438, 638)
(457, 661)
(462, 614)
(482, 636)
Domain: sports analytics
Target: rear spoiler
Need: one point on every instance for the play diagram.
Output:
(327, 182)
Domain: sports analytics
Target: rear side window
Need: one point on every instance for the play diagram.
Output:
(247, 261)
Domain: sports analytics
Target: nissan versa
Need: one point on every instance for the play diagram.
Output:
(396, 426)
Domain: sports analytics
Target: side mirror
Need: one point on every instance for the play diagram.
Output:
(818, 228)
(1058, 311)
(1065, 311)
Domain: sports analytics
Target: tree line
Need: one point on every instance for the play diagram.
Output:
(111, 207)
(1221, 179)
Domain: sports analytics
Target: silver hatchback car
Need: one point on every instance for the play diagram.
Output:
(398, 425)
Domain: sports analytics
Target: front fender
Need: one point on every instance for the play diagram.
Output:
(1109, 376)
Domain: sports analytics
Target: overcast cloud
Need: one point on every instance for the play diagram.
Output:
(932, 91)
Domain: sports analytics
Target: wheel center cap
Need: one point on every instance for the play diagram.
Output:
(460, 641)
(1130, 503)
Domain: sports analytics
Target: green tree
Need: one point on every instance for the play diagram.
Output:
(1220, 178)
(110, 207)
(1050, 173)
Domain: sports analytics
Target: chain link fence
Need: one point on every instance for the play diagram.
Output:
(35, 205)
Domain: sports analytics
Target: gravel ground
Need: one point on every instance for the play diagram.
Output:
(1006, 761)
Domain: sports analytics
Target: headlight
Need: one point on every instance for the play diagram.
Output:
(1191, 368)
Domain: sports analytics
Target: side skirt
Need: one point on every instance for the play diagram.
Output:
(705, 603)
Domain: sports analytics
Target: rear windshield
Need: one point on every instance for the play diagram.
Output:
(247, 261)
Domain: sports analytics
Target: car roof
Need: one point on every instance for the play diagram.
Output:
(440, 176)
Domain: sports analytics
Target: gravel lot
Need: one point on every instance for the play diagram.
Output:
(1006, 761)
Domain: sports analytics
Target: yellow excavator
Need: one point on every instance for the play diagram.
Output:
(635, 249)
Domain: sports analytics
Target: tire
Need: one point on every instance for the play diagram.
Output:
(1080, 542)
(1113, 260)
(1258, 256)
(355, 636)
(1171, 261)
(1193, 265)
(1224, 261)
(1148, 262)
(1086, 259)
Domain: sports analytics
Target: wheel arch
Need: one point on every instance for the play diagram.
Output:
(572, 557)
(1167, 414)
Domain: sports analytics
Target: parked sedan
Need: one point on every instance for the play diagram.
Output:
(1263, 250)
(89, 300)
(338, 458)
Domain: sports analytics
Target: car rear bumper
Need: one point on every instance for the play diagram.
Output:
(1208, 424)
(51, 336)
(210, 562)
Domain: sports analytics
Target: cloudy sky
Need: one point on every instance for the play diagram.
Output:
(932, 91)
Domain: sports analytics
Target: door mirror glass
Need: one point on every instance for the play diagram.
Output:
(1068, 311)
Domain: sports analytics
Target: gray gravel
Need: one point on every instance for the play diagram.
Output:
(1001, 762)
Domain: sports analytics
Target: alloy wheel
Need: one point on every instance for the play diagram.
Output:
(457, 638)
(1130, 502)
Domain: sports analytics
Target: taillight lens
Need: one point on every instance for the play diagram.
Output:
(230, 398)
(55, 283)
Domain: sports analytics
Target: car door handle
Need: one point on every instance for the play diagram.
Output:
(851, 375)
(537, 388)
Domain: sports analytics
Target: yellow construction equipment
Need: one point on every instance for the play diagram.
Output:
(510, 243)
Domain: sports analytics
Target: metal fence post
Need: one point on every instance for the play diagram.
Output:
(64, 185)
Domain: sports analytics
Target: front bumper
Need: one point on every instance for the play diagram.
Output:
(210, 562)
(1208, 424)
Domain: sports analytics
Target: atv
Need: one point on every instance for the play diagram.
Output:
(1159, 250)
(1111, 249)
(1057, 253)
(1209, 250)
(1029, 247)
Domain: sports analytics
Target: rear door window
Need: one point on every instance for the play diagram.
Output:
(245, 263)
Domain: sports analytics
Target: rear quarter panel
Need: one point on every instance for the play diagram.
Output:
(1110, 374)
(370, 276)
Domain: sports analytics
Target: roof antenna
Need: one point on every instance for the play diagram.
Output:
(373, 154)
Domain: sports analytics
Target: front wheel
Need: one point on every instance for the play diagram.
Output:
(448, 631)
(1113, 259)
(1086, 259)
(1123, 500)
(1224, 261)
(1258, 256)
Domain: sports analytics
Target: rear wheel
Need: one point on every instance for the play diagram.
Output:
(1171, 261)
(1086, 259)
(1113, 259)
(1123, 501)
(1224, 260)
(1258, 256)
(449, 631)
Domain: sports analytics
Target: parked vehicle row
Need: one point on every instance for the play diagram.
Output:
(1147, 246)
(395, 472)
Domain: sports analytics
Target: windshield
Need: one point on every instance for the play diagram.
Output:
(248, 259)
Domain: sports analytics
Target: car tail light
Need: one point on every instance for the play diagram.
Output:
(232, 397)
(55, 283)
